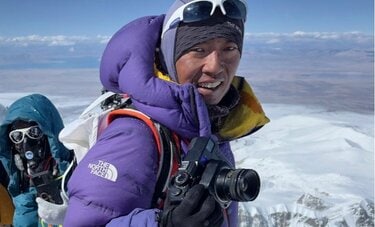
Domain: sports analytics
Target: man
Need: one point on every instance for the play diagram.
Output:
(188, 85)
(32, 155)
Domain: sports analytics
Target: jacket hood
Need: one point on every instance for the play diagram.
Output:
(167, 44)
(36, 108)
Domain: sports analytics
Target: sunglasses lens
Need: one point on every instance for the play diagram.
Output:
(197, 11)
(235, 9)
(16, 136)
(35, 133)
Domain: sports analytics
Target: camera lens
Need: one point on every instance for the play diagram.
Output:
(237, 184)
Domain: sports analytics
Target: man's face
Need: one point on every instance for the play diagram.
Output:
(210, 66)
(28, 140)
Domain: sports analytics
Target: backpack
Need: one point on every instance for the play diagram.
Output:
(81, 134)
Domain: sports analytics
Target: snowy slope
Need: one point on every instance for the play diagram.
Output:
(317, 168)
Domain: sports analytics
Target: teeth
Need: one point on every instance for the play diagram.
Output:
(210, 85)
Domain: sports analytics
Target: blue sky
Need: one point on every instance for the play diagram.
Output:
(101, 17)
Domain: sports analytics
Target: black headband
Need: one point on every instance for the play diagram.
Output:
(217, 26)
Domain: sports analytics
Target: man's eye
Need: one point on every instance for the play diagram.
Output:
(231, 48)
(197, 49)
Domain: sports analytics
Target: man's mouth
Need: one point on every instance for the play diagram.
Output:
(212, 85)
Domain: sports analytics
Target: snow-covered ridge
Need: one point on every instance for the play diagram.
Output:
(316, 168)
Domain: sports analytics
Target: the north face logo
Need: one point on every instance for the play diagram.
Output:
(104, 169)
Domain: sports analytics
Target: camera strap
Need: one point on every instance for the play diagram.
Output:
(170, 162)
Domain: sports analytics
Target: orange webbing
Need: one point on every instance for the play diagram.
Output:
(139, 115)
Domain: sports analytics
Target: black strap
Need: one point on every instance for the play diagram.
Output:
(168, 153)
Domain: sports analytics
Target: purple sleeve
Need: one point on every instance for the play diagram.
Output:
(116, 176)
(138, 217)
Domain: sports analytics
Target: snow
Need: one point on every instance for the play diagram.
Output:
(304, 151)
(316, 165)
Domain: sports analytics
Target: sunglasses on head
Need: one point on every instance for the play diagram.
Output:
(198, 10)
(18, 135)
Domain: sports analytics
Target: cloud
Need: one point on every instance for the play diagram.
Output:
(57, 40)
(58, 51)
(260, 38)
(298, 37)
(103, 39)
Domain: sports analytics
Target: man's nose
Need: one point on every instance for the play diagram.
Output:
(26, 144)
(213, 64)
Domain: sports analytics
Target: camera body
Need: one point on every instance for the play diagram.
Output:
(204, 165)
(47, 187)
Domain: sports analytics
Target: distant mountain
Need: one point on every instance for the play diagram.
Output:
(309, 211)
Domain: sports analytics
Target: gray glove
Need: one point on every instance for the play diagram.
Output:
(52, 213)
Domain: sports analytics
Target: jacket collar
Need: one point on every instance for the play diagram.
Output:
(240, 116)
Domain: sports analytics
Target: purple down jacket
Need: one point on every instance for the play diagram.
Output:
(114, 183)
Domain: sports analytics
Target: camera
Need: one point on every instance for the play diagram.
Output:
(204, 165)
(47, 187)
